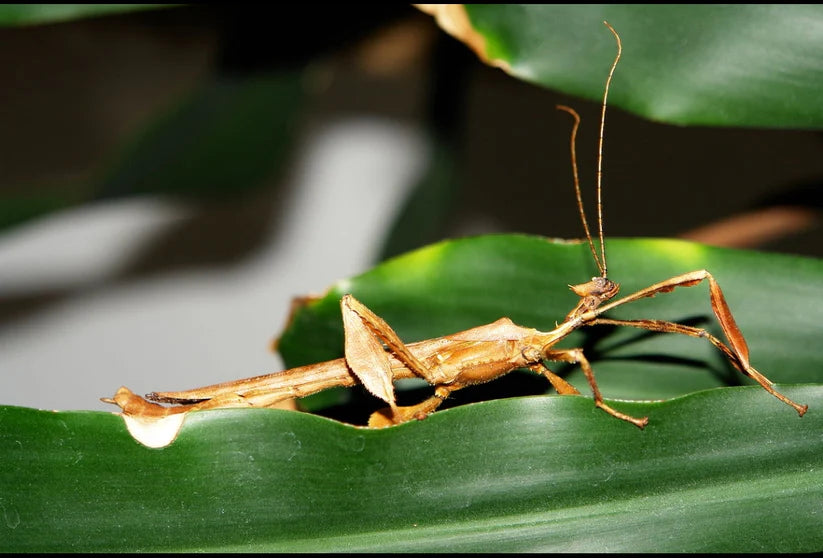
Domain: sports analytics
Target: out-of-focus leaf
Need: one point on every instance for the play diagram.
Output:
(32, 14)
(226, 139)
(729, 65)
(422, 217)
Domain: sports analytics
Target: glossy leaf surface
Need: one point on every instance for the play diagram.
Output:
(723, 470)
(729, 65)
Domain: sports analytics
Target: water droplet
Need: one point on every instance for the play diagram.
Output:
(10, 516)
(291, 445)
(358, 443)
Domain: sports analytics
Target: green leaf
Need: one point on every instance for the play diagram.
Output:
(719, 65)
(729, 469)
(226, 139)
(722, 470)
(31, 14)
(421, 218)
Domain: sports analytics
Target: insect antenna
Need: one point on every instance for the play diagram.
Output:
(577, 187)
(600, 260)
(600, 147)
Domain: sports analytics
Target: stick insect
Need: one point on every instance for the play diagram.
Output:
(474, 356)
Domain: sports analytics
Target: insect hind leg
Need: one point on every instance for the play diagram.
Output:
(389, 416)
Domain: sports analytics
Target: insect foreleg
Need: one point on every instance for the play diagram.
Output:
(737, 343)
(671, 327)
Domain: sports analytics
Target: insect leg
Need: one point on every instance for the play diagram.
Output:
(365, 356)
(737, 343)
(560, 385)
(576, 356)
(382, 331)
(388, 416)
(742, 365)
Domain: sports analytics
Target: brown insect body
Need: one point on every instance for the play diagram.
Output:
(477, 355)
(375, 356)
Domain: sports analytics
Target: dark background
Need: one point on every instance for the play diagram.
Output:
(74, 92)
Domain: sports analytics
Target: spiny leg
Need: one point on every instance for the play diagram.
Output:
(364, 353)
(737, 343)
(746, 368)
(383, 331)
(576, 356)
(719, 306)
